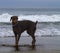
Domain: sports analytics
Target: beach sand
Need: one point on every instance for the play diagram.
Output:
(43, 45)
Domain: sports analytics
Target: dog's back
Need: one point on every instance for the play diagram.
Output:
(27, 23)
(24, 25)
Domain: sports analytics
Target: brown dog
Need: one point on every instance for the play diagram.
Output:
(21, 26)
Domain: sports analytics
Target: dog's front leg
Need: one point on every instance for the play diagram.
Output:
(19, 37)
(16, 42)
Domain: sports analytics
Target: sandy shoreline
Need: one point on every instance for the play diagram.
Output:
(43, 45)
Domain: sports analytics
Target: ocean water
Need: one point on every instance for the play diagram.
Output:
(48, 20)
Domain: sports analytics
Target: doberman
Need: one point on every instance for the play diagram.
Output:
(21, 26)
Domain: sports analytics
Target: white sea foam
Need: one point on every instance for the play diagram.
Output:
(5, 17)
(44, 32)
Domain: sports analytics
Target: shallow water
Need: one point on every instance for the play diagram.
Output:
(43, 45)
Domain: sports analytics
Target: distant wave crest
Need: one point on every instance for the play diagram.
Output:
(5, 17)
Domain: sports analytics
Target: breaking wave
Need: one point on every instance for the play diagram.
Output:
(5, 17)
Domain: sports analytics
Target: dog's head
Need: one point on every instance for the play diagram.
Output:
(14, 19)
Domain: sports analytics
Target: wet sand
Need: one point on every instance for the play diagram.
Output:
(43, 45)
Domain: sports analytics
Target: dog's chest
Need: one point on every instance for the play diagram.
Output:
(15, 29)
(19, 28)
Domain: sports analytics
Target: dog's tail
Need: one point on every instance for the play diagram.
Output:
(36, 22)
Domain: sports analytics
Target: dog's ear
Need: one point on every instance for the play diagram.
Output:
(10, 18)
(17, 17)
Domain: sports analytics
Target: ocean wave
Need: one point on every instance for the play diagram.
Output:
(43, 30)
(42, 33)
(5, 17)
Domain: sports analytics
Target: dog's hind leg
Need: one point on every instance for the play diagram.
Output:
(31, 33)
(33, 41)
